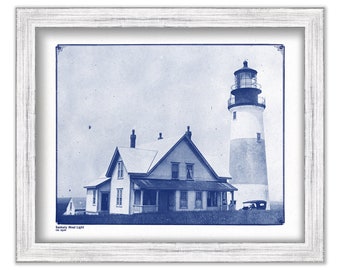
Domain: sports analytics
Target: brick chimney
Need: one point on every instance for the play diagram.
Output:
(133, 139)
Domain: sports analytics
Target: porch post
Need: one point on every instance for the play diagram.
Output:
(141, 200)
(232, 198)
(226, 200)
(97, 200)
(157, 192)
(221, 200)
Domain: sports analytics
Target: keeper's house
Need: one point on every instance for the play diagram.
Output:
(166, 175)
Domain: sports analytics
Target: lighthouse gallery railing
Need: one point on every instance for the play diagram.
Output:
(261, 101)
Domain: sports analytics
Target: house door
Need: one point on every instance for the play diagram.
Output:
(165, 200)
(105, 202)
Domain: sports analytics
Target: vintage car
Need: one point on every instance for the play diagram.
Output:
(254, 205)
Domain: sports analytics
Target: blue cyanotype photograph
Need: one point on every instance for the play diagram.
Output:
(170, 134)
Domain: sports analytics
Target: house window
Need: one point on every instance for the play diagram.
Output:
(119, 197)
(94, 197)
(137, 197)
(183, 199)
(149, 197)
(198, 200)
(234, 115)
(120, 170)
(190, 171)
(174, 170)
(70, 206)
(258, 137)
(212, 199)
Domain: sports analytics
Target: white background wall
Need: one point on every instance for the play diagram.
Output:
(7, 142)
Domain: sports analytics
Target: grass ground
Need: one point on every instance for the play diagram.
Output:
(251, 217)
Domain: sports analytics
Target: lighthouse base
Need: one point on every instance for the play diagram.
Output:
(250, 192)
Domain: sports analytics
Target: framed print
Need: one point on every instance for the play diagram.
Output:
(170, 134)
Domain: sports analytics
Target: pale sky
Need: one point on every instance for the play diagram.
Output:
(103, 92)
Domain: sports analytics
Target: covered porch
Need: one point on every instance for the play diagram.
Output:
(180, 195)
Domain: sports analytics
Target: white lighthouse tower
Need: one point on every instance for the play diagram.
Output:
(247, 161)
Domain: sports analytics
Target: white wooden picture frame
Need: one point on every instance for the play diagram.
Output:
(28, 249)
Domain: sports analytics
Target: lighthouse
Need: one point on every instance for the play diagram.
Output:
(247, 160)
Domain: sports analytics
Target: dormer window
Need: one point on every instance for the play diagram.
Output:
(174, 170)
(120, 173)
(190, 171)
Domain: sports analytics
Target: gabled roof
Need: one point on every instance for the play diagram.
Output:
(97, 182)
(195, 150)
(161, 147)
(62, 203)
(145, 158)
(79, 203)
(137, 160)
